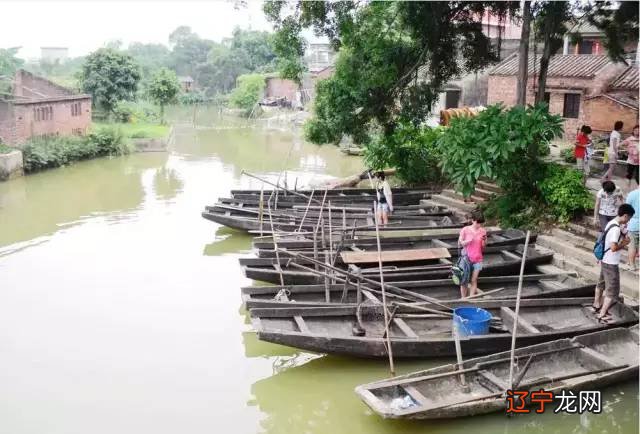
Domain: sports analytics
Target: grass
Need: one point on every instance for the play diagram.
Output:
(138, 130)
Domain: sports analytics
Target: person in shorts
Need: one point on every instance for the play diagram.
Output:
(385, 199)
(631, 143)
(608, 288)
(580, 151)
(608, 198)
(633, 227)
(473, 239)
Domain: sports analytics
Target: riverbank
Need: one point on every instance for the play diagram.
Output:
(104, 139)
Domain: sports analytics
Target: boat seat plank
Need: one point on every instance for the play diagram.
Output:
(395, 255)
(356, 249)
(301, 324)
(510, 254)
(491, 377)
(511, 315)
(370, 296)
(445, 261)
(440, 243)
(405, 328)
(416, 395)
(598, 356)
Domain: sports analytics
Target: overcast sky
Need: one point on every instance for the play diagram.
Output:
(83, 26)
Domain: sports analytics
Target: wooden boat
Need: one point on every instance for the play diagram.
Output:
(264, 249)
(293, 223)
(320, 191)
(587, 362)
(339, 215)
(496, 287)
(497, 260)
(414, 334)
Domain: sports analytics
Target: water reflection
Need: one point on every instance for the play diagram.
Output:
(228, 241)
(39, 204)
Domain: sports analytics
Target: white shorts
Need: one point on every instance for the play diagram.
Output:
(383, 207)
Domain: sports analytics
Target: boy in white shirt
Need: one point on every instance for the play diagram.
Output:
(609, 282)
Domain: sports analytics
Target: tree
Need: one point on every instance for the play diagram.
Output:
(150, 57)
(110, 76)
(164, 89)
(550, 24)
(248, 92)
(523, 55)
(9, 63)
(394, 58)
(618, 21)
(188, 50)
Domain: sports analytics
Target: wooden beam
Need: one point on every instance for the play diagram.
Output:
(508, 312)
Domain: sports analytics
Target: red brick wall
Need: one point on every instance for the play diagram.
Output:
(279, 87)
(603, 112)
(61, 123)
(29, 85)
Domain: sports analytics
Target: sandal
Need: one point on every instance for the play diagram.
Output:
(607, 319)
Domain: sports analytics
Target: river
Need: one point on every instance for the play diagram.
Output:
(120, 307)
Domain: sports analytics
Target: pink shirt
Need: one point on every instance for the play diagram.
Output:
(474, 248)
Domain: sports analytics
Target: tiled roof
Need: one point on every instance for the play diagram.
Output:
(627, 80)
(584, 27)
(624, 99)
(570, 65)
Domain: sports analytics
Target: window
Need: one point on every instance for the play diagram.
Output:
(452, 99)
(571, 105)
(76, 109)
(547, 97)
(585, 47)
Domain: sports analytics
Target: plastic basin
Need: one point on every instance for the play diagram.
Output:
(471, 321)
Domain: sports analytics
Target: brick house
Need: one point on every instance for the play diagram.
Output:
(39, 107)
(582, 88)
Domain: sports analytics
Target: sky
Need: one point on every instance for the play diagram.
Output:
(84, 26)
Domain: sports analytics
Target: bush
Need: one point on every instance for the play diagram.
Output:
(48, 152)
(248, 92)
(410, 149)
(191, 98)
(563, 191)
(132, 112)
(568, 155)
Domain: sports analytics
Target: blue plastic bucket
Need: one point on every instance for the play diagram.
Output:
(471, 321)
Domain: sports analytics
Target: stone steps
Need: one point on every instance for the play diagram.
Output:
(441, 199)
(455, 195)
(482, 193)
(489, 186)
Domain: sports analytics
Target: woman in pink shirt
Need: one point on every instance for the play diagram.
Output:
(473, 239)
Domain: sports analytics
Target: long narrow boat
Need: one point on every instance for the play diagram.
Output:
(497, 287)
(450, 241)
(333, 191)
(368, 242)
(588, 362)
(293, 223)
(496, 261)
(408, 198)
(414, 334)
(286, 204)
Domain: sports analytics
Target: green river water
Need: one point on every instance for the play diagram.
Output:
(120, 307)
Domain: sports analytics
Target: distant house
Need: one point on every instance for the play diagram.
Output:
(39, 107)
(582, 88)
(319, 56)
(186, 83)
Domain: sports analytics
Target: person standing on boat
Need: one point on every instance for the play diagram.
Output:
(608, 287)
(608, 198)
(385, 199)
(473, 239)
(612, 151)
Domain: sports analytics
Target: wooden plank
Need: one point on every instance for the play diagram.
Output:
(370, 296)
(510, 254)
(405, 328)
(356, 249)
(301, 324)
(395, 255)
(508, 312)
(599, 356)
(491, 377)
(416, 395)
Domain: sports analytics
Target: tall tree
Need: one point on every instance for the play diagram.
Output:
(618, 21)
(150, 57)
(164, 89)
(523, 55)
(394, 58)
(550, 25)
(110, 76)
(9, 62)
(188, 50)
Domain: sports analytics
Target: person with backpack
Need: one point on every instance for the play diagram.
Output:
(607, 250)
(608, 198)
(473, 239)
(385, 199)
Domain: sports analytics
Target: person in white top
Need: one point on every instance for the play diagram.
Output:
(385, 199)
(608, 287)
(614, 142)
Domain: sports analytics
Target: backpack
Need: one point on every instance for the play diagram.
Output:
(461, 271)
(598, 248)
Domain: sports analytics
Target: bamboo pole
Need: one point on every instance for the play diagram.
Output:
(275, 243)
(304, 216)
(277, 186)
(514, 333)
(261, 208)
(327, 282)
(384, 300)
